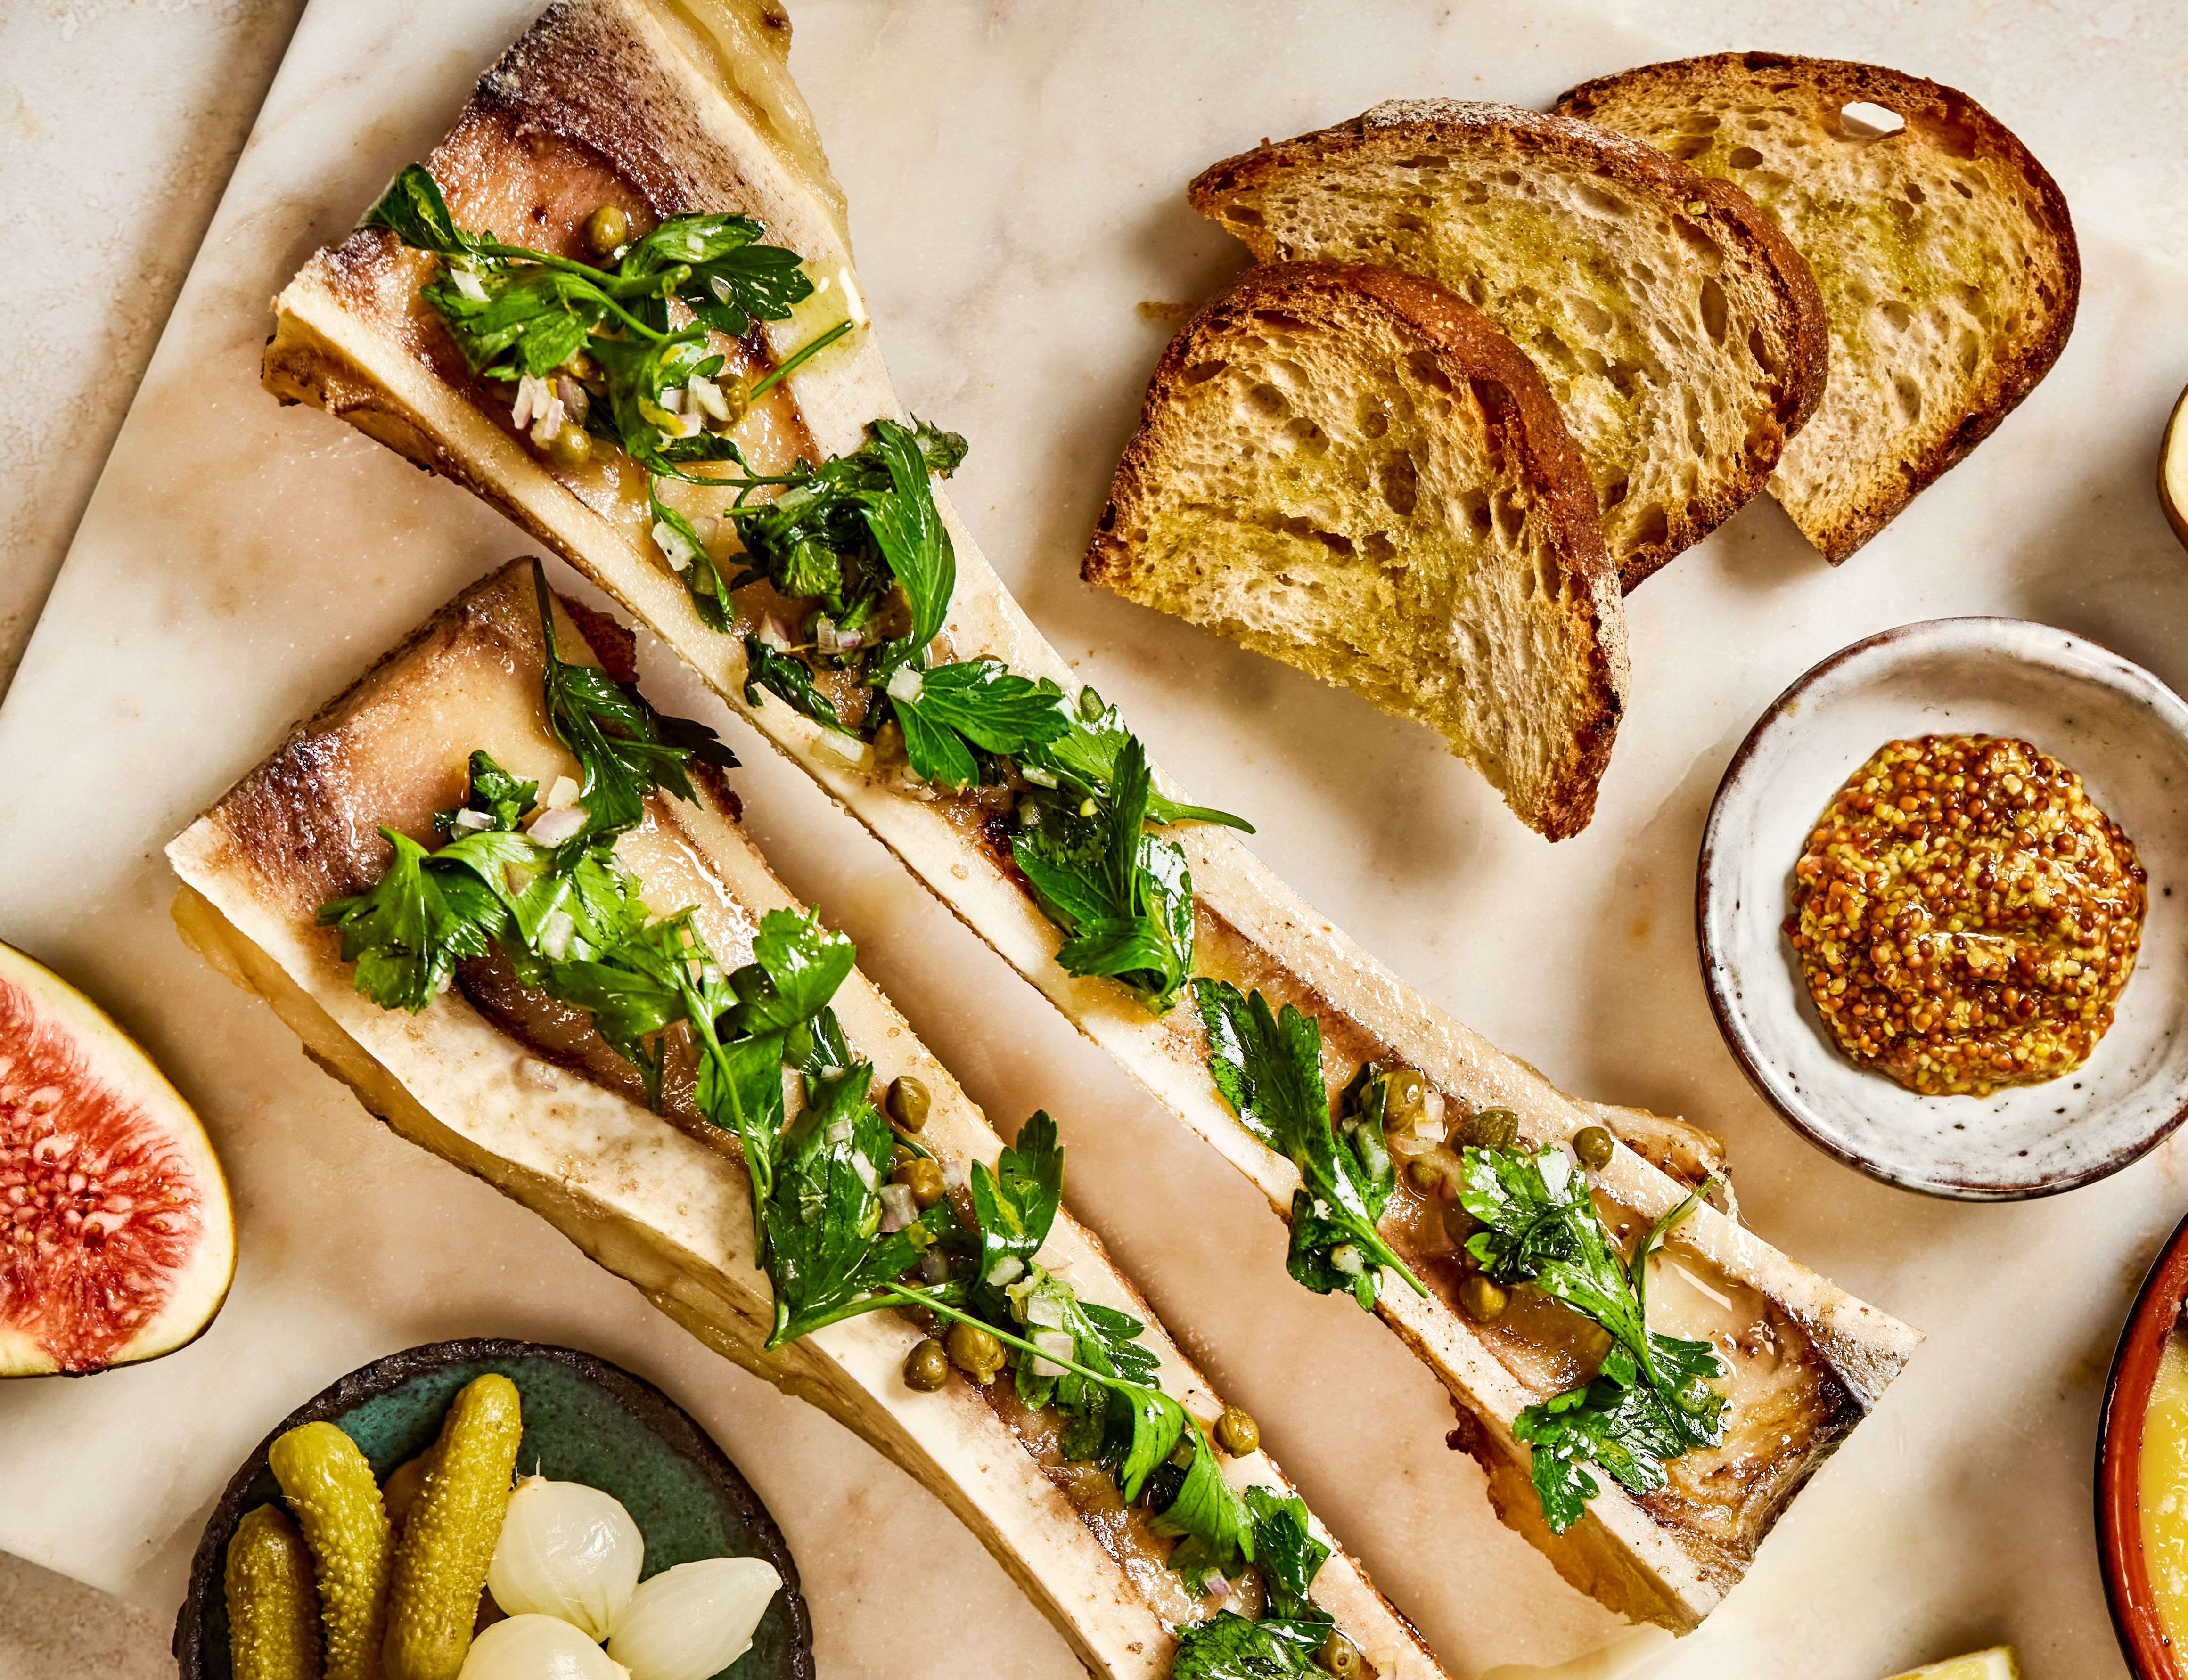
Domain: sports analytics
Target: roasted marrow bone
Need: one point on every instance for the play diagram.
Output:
(511, 1097)
(602, 101)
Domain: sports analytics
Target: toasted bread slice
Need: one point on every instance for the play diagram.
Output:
(1681, 334)
(504, 1083)
(1349, 468)
(1946, 257)
(1808, 1359)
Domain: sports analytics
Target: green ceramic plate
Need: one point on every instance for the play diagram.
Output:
(584, 1420)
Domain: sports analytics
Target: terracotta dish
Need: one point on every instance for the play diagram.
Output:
(2124, 731)
(2119, 1463)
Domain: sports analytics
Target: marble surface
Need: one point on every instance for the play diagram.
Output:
(119, 121)
(1014, 171)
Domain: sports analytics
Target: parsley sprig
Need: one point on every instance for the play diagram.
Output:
(1267, 1066)
(1649, 1403)
(849, 535)
(1281, 1645)
(517, 314)
(494, 884)
(1105, 1386)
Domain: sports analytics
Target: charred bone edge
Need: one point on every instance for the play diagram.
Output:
(334, 346)
(672, 1214)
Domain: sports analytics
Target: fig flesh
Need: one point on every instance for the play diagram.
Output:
(117, 1243)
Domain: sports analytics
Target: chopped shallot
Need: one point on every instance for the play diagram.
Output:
(474, 820)
(898, 1209)
(1057, 1345)
(564, 792)
(846, 748)
(830, 639)
(555, 933)
(1008, 1269)
(564, 822)
(673, 544)
(535, 397)
(708, 397)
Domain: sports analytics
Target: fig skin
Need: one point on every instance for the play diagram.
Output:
(163, 1230)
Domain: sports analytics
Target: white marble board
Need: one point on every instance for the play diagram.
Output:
(1015, 173)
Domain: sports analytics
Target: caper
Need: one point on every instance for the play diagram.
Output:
(1459, 1224)
(570, 448)
(901, 1153)
(581, 367)
(907, 1102)
(1482, 1297)
(1236, 1433)
(922, 1178)
(972, 1350)
(1405, 1095)
(927, 1366)
(1593, 1145)
(1490, 1128)
(1339, 1656)
(1426, 1175)
(606, 229)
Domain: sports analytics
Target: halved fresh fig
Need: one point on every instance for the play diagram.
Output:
(116, 1239)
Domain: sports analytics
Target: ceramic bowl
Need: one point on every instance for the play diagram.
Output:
(2119, 1464)
(584, 1420)
(2124, 731)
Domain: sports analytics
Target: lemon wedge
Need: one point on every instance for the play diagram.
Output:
(1998, 1663)
(2173, 469)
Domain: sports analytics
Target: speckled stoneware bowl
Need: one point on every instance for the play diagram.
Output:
(584, 1420)
(2124, 731)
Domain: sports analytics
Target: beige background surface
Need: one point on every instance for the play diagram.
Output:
(119, 122)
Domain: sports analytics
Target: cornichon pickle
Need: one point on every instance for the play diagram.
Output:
(400, 1491)
(331, 1490)
(273, 1602)
(449, 1540)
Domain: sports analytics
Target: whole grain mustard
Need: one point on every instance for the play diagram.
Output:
(1964, 915)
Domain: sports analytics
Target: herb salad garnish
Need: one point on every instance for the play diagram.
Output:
(858, 539)
(1650, 1402)
(1268, 1067)
(539, 881)
(594, 352)
(556, 900)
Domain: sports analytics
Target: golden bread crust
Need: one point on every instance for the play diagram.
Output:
(1938, 117)
(1473, 353)
(1767, 264)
